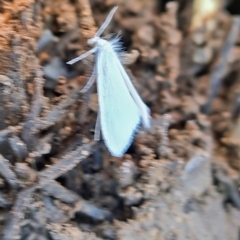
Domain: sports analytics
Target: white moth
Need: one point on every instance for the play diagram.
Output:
(121, 110)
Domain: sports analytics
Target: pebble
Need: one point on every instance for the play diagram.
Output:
(88, 211)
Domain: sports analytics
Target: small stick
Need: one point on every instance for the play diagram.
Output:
(164, 133)
(220, 70)
(67, 163)
(58, 113)
(36, 108)
(7, 173)
(12, 228)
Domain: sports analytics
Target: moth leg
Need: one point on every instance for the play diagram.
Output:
(97, 128)
(90, 81)
(86, 54)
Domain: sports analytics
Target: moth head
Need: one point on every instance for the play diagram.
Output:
(93, 41)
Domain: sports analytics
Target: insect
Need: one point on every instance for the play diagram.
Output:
(121, 110)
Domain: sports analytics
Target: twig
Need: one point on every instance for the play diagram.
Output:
(7, 173)
(67, 163)
(4, 202)
(59, 192)
(33, 126)
(18, 147)
(12, 228)
(58, 113)
(38, 95)
(36, 107)
(164, 134)
(4, 134)
(221, 68)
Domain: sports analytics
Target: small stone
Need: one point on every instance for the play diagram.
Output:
(88, 211)
(127, 173)
(85, 153)
(145, 35)
(191, 125)
(132, 197)
(197, 175)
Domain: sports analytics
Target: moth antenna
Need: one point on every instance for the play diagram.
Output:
(106, 23)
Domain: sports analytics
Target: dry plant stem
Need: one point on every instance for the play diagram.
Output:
(164, 133)
(38, 97)
(7, 173)
(12, 228)
(16, 42)
(229, 186)
(4, 134)
(58, 113)
(220, 70)
(65, 164)
(24, 197)
(59, 192)
(36, 107)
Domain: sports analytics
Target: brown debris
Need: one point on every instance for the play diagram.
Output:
(170, 42)
(182, 173)
(86, 19)
(68, 232)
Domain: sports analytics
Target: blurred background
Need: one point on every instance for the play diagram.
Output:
(180, 180)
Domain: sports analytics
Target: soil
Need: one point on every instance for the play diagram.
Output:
(179, 180)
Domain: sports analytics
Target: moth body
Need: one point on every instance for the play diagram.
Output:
(121, 109)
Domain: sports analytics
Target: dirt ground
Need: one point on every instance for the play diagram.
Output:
(179, 180)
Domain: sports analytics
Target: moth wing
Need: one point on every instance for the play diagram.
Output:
(144, 110)
(119, 114)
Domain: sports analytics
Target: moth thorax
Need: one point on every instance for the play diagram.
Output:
(101, 42)
(93, 41)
